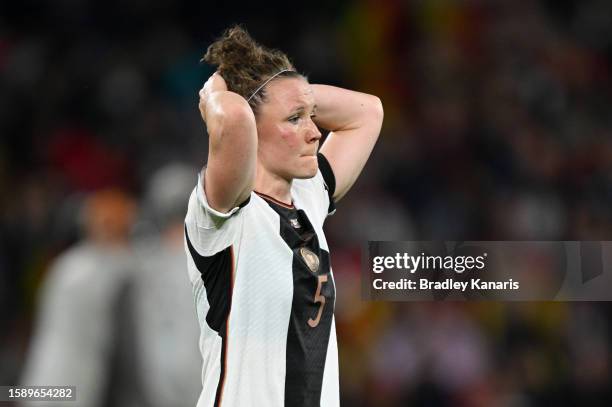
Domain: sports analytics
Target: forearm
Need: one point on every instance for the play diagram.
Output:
(342, 109)
(232, 149)
(354, 120)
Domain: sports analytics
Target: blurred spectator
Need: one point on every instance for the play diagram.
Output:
(164, 325)
(76, 326)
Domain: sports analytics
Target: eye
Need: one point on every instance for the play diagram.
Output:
(294, 119)
(313, 115)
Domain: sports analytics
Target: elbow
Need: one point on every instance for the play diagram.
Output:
(375, 108)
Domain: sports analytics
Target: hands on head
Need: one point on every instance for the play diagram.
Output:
(215, 83)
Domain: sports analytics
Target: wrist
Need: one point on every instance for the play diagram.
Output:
(229, 106)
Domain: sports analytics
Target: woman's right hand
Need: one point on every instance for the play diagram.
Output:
(215, 83)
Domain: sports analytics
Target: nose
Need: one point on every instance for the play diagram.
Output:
(313, 134)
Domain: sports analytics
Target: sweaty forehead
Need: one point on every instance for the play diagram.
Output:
(290, 92)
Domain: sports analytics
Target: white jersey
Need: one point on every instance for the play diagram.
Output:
(265, 297)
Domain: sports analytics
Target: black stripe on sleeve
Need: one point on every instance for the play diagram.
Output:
(216, 273)
(329, 179)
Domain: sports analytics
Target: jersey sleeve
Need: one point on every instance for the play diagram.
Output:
(329, 182)
(207, 230)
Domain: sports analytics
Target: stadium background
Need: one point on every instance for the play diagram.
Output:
(497, 127)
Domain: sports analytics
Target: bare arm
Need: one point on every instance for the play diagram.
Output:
(354, 120)
(232, 151)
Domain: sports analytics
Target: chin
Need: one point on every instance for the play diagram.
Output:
(308, 171)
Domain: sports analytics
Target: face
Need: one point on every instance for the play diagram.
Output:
(288, 139)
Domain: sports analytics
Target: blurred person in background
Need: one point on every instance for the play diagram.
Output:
(74, 337)
(164, 324)
(114, 319)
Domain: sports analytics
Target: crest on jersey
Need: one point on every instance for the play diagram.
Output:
(295, 223)
(311, 259)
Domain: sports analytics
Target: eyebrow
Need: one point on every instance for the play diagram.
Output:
(301, 108)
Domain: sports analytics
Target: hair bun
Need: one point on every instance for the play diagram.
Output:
(243, 63)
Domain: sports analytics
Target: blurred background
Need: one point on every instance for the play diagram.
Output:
(497, 127)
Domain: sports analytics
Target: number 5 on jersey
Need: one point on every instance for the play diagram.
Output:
(320, 299)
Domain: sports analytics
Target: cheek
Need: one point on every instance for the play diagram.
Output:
(289, 138)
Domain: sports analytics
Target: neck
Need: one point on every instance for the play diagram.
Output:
(272, 185)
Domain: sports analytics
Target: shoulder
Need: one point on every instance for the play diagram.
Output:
(75, 270)
(201, 214)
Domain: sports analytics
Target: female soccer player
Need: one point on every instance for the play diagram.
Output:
(257, 255)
